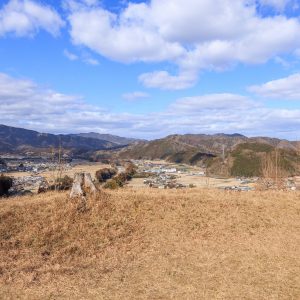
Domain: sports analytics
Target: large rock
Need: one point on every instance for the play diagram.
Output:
(28, 184)
(82, 185)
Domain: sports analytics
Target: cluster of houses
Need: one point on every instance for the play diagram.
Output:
(158, 168)
(163, 181)
(162, 175)
(291, 184)
(3, 166)
(236, 188)
(32, 165)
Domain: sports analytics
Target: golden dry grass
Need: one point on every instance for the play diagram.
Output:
(151, 244)
(198, 181)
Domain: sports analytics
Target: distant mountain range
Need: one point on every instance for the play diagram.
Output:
(222, 154)
(190, 144)
(225, 154)
(19, 140)
(118, 140)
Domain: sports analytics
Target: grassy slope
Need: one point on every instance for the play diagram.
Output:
(195, 244)
(248, 159)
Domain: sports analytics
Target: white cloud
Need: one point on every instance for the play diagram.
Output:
(283, 62)
(33, 99)
(297, 52)
(25, 104)
(279, 5)
(26, 17)
(79, 4)
(287, 88)
(135, 96)
(194, 35)
(220, 102)
(125, 43)
(93, 2)
(91, 61)
(86, 58)
(70, 55)
(165, 81)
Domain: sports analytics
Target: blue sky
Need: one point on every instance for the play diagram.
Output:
(151, 68)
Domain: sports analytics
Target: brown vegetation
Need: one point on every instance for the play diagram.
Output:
(62, 183)
(113, 184)
(128, 244)
(120, 179)
(5, 184)
(104, 174)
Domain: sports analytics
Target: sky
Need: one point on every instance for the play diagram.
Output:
(148, 69)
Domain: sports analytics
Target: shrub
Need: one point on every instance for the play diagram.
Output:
(121, 177)
(5, 184)
(130, 169)
(104, 174)
(64, 183)
(2, 162)
(111, 184)
(142, 175)
(118, 180)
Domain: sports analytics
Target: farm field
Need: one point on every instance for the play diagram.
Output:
(151, 244)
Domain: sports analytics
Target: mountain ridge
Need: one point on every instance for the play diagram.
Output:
(176, 147)
(213, 144)
(220, 154)
(122, 141)
(16, 140)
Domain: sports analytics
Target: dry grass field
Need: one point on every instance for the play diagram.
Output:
(151, 244)
(198, 181)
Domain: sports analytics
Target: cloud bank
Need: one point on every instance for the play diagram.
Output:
(287, 88)
(25, 104)
(191, 34)
(26, 18)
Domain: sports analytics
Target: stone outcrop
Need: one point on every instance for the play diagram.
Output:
(28, 184)
(82, 186)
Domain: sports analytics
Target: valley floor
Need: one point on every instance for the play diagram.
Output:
(151, 244)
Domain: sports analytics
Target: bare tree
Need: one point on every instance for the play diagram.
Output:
(272, 174)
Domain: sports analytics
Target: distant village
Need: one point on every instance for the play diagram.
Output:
(164, 176)
(154, 174)
(34, 164)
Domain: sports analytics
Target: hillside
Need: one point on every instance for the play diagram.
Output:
(118, 140)
(242, 156)
(212, 144)
(187, 145)
(200, 244)
(248, 159)
(21, 140)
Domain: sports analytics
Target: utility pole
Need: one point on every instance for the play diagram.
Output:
(207, 177)
(223, 153)
(276, 167)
